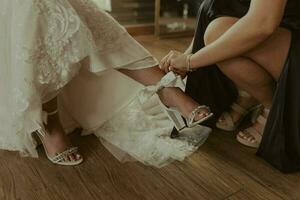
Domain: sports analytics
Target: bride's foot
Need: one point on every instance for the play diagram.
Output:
(229, 121)
(175, 97)
(176, 103)
(57, 145)
(252, 136)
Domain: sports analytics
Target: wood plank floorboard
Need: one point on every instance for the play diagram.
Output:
(220, 170)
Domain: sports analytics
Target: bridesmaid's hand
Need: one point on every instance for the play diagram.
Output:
(179, 62)
(165, 63)
(182, 73)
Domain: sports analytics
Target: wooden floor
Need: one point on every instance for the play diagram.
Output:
(221, 169)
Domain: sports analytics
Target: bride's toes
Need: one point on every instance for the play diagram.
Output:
(202, 114)
(72, 157)
(75, 157)
(78, 156)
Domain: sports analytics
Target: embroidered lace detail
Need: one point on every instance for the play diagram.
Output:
(43, 44)
(56, 48)
(67, 36)
(105, 30)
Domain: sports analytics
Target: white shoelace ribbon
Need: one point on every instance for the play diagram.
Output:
(169, 80)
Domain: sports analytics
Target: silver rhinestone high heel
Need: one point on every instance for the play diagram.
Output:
(171, 80)
(59, 158)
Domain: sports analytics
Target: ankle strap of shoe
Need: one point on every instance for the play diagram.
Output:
(52, 113)
(45, 115)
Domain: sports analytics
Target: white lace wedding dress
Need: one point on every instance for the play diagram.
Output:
(72, 49)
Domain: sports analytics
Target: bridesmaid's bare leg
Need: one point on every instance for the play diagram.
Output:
(245, 73)
(250, 77)
(256, 70)
(57, 141)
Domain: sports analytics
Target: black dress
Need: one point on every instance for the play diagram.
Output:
(281, 140)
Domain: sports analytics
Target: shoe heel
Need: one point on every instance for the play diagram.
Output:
(175, 116)
(177, 119)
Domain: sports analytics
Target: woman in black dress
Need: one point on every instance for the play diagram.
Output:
(252, 45)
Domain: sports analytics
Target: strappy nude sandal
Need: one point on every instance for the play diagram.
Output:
(228, 124)
(59, 158)
(255, 140)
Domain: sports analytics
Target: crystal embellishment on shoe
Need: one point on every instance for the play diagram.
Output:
(62, 157)
(171, 80)
(191, 119)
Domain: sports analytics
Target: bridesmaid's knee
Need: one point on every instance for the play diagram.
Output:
(217, 28)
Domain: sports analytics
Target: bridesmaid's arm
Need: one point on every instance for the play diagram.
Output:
(165, 62)
(262, 19)
(190, 48)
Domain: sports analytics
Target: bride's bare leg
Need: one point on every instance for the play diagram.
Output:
(170, 96)
(56, 141)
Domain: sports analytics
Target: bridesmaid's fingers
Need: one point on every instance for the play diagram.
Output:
(173, 69)
(180, 73)
(163, 63)
(171, 57)
(166, 64)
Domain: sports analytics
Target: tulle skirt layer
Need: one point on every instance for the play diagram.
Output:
(72, 49)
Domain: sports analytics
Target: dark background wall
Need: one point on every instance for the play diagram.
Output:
(142, 11)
